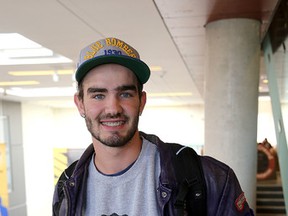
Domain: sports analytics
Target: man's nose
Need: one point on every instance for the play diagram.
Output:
(113, 106)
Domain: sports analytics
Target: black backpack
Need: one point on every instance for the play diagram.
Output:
(190, 180)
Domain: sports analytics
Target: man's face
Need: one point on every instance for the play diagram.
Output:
(111, 104)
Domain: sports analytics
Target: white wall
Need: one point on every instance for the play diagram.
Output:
(38, 141)
(183, 125)
(70, 129)
(44, 129)
(265, 122)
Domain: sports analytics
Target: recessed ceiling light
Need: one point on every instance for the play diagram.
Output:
(19, 83)
(42, 92)
(26, 53)
(156, 68)
(40, 73)
(16, 41)
(15, 49)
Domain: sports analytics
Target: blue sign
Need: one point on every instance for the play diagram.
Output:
(3, 210)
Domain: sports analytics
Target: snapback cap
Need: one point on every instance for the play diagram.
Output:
(111, 50)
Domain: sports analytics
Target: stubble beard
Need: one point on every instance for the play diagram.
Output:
(115, 139)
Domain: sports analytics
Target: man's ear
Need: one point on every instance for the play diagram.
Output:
(79, 104)
(142, 101)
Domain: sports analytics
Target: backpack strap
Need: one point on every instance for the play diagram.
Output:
(190, 180)
(68, 171)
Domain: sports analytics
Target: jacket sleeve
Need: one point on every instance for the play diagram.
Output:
(55, 204)
(224, 193)
(59, 200)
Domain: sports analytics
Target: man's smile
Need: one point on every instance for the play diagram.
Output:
(113, 123)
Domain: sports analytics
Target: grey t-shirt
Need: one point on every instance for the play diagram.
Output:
(133, 193)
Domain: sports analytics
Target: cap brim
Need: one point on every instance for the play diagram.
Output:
(140, 69)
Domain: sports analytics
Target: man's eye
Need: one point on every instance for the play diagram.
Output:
(99, 97)
(126, 95)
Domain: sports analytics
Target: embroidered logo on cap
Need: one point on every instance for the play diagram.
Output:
(111, 50)
(110, 46)
(240, 202)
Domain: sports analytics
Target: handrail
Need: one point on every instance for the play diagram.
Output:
(282, 148)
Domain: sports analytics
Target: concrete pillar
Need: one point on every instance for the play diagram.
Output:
(231, 97)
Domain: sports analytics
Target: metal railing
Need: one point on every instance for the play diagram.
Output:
(282, 148)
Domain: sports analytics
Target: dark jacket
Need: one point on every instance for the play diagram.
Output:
(224, 194)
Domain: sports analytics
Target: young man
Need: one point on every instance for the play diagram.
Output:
(127, 172)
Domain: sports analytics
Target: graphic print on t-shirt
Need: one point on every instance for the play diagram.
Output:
(114, 214)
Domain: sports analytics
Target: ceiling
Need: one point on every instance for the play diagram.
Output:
(167, 33)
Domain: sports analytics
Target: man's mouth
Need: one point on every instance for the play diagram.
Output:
(112, 123)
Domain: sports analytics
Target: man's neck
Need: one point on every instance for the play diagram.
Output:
(111, 160)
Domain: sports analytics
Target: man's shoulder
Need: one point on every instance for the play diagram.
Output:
(211, 163)
(218, 174)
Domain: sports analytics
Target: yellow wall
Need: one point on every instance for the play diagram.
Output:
(60, 162)
(3, 176)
